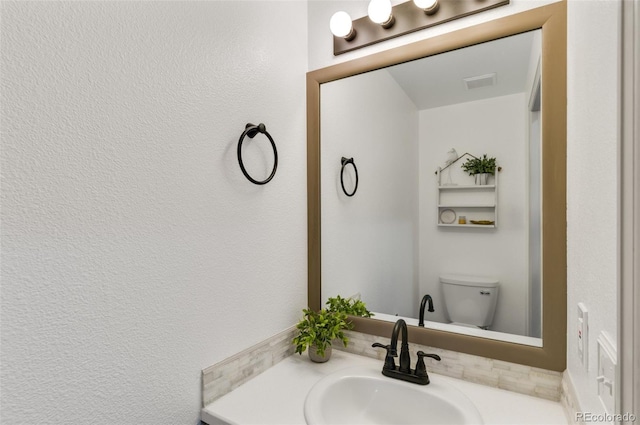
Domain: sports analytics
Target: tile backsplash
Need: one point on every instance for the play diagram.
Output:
(223, 377)
(569, 399)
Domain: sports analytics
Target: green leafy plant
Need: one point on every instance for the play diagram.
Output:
(319, 328)
(348, 306)
(480, 165)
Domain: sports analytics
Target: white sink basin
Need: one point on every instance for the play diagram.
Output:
(361, 395)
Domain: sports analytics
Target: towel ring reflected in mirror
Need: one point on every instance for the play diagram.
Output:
(344, 162)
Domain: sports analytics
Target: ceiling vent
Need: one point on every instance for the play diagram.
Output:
(480, 81)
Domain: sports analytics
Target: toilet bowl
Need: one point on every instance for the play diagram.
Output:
(469, 300)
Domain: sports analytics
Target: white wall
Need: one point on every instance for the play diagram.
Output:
(592, 172)
(134, 252)
(372, 120)
(497, 127)
(593, 37)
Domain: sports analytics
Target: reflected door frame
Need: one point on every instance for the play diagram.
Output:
(629, 285)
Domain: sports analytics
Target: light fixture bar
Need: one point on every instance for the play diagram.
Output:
(409, 18)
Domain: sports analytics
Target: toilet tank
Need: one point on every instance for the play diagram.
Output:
(470, 300)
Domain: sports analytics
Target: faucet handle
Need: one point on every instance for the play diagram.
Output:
(421, 369)
(389, 362)
(422, 354)
(386, 347)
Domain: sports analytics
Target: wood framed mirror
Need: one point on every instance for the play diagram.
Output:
(551, 20)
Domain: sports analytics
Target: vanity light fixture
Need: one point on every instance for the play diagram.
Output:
(386, 21)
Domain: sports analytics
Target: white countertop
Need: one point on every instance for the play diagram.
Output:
(277, 396)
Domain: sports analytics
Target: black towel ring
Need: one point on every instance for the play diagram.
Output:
(346, 161)
(251, 130)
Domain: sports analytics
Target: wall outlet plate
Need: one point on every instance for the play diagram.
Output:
(583, 335)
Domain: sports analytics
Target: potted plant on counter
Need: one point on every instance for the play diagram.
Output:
(318, 329)
(480, 168)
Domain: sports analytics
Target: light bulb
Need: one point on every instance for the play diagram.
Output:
(429, 6)
(380, 12)
(341, 25)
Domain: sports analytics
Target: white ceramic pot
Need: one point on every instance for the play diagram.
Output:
(482, 178)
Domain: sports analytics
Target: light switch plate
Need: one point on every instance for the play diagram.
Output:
(606, 373)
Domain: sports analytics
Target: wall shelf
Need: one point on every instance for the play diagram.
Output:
(486, 226)
(474, 202)
(467, 187)
(460, 205)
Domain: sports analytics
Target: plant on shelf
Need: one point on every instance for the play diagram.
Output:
(480, 168)
(481, 165)
(318, 329)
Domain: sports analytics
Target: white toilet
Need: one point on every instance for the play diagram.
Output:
(469, 300)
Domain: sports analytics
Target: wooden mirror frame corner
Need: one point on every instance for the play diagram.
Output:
(552, 19)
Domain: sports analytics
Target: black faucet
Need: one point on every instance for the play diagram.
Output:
(404, 372)
(405, 359)
(422, 305)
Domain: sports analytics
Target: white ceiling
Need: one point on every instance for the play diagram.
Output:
(438, 80)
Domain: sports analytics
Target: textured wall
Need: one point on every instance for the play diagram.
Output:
(134, 252)
(592, 183)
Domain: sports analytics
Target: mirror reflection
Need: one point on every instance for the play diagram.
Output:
(419, 223)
